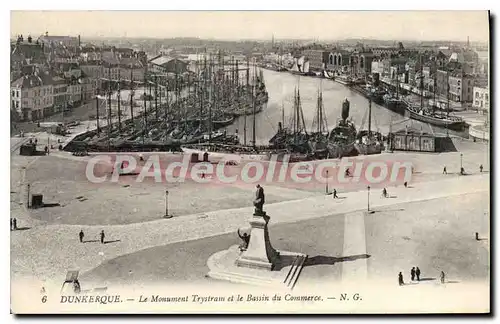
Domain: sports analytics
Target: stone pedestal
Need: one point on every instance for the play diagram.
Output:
(260, 264)
(260, 254)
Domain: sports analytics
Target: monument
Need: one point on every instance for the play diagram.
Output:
(259, 253)
(256, 261)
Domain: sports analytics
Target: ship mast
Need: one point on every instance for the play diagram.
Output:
(97, 111)
(156, 97)
(145, 131)
(282, 114)
(119, 99)
(131, 95)
(448, 101)
(245, 114)
(210, 102)
(370, 117)
(254, 93)
(109, 107)
(421, 83)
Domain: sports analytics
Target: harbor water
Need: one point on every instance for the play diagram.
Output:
(281, 87)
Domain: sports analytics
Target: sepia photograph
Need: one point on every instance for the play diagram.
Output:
(250, 162)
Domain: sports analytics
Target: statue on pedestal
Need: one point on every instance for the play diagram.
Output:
(259, 201)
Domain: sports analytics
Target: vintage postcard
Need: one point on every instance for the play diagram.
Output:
(250, 162)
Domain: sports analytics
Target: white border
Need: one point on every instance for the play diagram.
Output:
(190, 5)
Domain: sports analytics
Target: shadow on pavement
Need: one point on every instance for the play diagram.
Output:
(108, 242)
(52, 205)
(322, 259)
(22, 228)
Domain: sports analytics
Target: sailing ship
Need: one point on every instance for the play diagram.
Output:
(342, 138)
(436, 118)
(432, 116)
(319, 139)
(369, 142)
(294, 138)
(394, 103)
(234, 151)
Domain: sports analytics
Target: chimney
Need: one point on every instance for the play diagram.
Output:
(79, 41)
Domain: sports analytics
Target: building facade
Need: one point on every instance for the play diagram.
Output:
(32, 97)
(317, 59)
(481, 99)
(442, 83)
(461, 87)
(361, 63)
(338, 61)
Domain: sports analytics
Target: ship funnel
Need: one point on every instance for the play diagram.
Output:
(345, 109)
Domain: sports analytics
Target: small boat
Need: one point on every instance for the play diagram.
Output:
(369, 142)
(342, 138)
(395, 104)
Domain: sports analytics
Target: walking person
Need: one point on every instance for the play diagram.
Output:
(481, 168)
(335, 193)
(384, 193)
(102, 237)
(406, 184)
(400, 279)
(81, 235)
(412, 272)
(442, 277)
(444, 170)
(14, 223)
(417, 272)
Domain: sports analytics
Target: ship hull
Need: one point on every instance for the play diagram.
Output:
(368, 149)
(337, 151)
(228, 156)
(445, 123)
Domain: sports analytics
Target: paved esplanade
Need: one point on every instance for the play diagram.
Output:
(52, 249)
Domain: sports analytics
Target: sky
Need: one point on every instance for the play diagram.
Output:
(322, 25)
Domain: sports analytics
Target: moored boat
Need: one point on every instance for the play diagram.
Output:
(436, 118)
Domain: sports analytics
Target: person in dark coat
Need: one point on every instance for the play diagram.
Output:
(442, 277)
(481, 168)
(259, 200)
(400, 279)
(417, 272)
(384, 193)
(335, 193)
(102, 237)
(14, 223)
(444, 170)
(81, 235)
(412, 272)
(406, 184)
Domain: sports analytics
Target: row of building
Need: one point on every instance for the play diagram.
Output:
(55, 73)
(453, 73)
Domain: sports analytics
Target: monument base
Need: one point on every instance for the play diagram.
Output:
(229, 265)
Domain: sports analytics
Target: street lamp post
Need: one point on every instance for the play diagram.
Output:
(326, 189)
(166, 206)
(368, 198)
